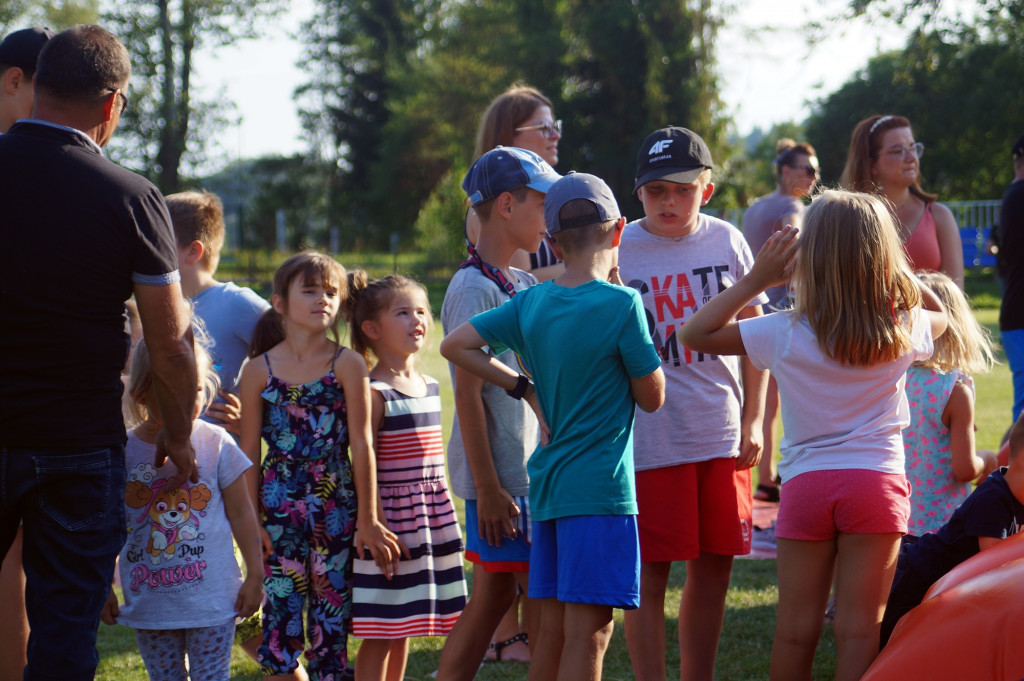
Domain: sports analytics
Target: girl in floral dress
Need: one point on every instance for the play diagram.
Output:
(390, 318)
(308, 397)
(938, 445)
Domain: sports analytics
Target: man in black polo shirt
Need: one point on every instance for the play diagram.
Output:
(79, 235)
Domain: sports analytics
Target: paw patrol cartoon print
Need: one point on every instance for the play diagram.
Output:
(173, 514)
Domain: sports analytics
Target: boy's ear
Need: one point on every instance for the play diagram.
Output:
(504, 204)
(371, 329)
(194, 252)
(709, 191)
(554, 246)
(617, 233)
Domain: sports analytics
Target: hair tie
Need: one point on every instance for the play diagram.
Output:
(877, 123)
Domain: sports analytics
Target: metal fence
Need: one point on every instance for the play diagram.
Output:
(975, 219)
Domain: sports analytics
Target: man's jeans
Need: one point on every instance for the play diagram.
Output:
(71, 503)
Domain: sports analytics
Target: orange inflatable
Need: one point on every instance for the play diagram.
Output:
(970, 625)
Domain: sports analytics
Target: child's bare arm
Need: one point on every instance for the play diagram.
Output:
(713, 329)
(110, 609)
(376, 420)
(245, 529)
(987, 542)
(251, 385)
(958, 416)
(755, 387)
(370, 533)
(649, 391)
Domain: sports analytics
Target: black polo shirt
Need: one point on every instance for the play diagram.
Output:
(76, 231)
(1011, 248)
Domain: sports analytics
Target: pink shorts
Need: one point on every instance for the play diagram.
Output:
(692, 508)
(820, 504)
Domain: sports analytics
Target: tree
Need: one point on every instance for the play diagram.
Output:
(57, 14)
(159, 130)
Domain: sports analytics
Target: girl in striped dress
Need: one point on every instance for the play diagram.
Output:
(390, 318)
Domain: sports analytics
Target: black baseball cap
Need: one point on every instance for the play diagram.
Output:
(22, 48)
(673, 154)
(1018, 147)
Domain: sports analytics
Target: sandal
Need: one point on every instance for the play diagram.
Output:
(498, 646)
(769, 493)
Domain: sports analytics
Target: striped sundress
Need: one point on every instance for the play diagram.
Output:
(427, 594)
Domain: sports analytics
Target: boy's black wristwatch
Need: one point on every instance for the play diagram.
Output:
(521, 385)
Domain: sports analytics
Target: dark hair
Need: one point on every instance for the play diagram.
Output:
(508, 110)
(198, 216)
(865, 144)
(786, 149)
(367, 301)
(82, 63)
(314, 268)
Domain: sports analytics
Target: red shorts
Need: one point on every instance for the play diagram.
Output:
(693, 508)
(818, 505)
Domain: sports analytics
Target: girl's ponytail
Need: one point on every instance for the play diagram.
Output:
(267, 333)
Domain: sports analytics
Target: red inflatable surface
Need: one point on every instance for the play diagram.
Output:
(970, 625)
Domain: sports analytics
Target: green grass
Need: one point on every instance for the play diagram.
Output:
(750, 616)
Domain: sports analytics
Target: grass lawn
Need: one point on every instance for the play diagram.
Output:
(750, 617)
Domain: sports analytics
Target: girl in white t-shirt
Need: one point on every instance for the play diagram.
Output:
(181, 584)
(840, 359)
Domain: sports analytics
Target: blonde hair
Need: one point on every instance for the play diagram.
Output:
(966, 345)
(138, 390)
(853, 279)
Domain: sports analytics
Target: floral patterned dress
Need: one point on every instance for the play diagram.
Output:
(935, 491)
(308, 506)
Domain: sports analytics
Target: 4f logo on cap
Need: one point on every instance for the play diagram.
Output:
(659, 146)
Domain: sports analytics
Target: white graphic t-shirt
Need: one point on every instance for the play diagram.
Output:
(675, 276)
(178, 567)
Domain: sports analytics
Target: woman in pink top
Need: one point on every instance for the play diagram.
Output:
(884, 159)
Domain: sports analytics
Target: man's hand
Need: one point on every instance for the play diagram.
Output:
(182, 455)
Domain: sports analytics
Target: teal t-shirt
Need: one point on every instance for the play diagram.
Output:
(583, 344)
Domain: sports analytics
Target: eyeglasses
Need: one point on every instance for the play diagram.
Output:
(809, 169)
(916, 150)
(124, 99)
(548, 130)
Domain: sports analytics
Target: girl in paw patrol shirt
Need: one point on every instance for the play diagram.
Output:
(181, 583)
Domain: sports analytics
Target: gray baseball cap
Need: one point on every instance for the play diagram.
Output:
(579, 186)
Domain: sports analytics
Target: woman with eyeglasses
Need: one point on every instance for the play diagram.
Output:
(521, 117)
(884, 159)
(796, 169)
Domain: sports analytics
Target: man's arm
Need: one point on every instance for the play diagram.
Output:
(167, 328)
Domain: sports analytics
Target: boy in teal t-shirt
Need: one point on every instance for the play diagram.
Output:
(585, 338)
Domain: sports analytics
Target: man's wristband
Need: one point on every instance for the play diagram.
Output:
(521, 385)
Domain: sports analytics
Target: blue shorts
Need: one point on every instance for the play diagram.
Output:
(513, 555)
(1013, 346)
(593, 559)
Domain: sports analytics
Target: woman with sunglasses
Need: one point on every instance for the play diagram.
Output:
(796, 168)
(884, 159)
(521, 117)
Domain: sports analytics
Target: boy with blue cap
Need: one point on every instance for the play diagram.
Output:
(493, 434)
(585, 337)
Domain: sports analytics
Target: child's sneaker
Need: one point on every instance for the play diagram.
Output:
(764, 538)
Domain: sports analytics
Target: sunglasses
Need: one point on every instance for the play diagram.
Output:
(124, 98)
(548, 130)
(809, 169)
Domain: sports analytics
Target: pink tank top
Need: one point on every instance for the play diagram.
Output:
(923, 245)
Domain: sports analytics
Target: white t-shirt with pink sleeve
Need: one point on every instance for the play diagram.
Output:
(835, 416)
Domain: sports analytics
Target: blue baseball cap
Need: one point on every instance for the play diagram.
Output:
(503, 169)
(579, 186)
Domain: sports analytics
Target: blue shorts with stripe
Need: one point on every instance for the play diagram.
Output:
(513, 555)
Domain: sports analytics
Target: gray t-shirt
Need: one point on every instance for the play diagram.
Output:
(511, 425)
(675, 277)
(764, 218)
(178, 568)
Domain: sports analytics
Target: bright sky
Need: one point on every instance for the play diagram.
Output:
(767, 71)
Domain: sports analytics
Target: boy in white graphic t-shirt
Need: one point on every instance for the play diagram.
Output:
(693, 457)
